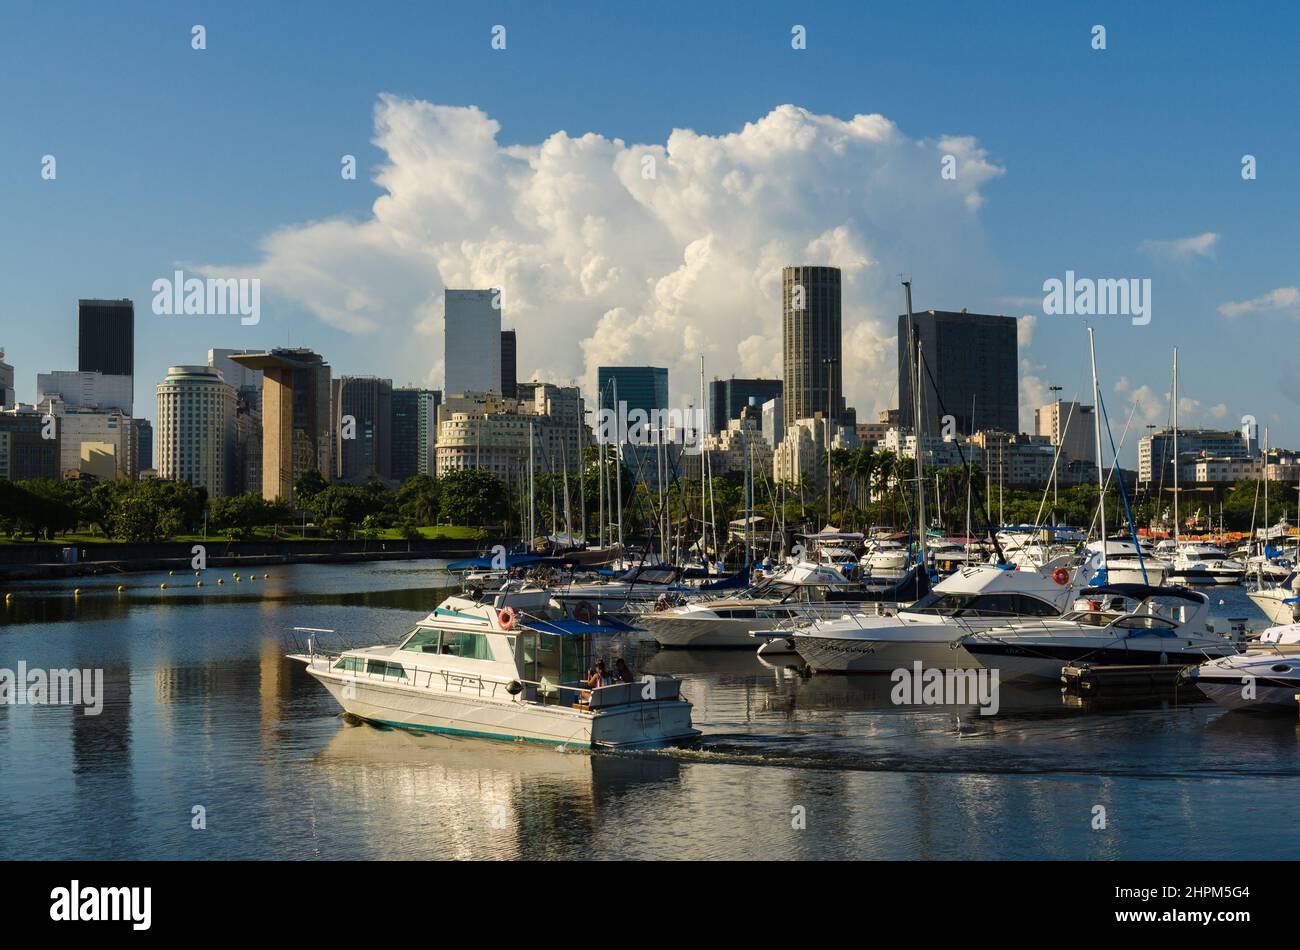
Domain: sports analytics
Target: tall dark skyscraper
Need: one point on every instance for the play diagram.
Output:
(728, 396)
(810, 342)
(369, 402)
(640, 387)
(415, 431)
(106, 337)
(971, 357)
(509, 367)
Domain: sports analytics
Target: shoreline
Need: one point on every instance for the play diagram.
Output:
(20, 562)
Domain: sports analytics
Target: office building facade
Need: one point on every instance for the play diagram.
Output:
(639, 387)
(363, 426)
(472, 341)
(414, 432)
(106, 337)
(727, 397)
(196, 428)
(297, 424)
(811, 344)
(969, 371)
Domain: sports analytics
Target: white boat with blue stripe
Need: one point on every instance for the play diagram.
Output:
(508, 666)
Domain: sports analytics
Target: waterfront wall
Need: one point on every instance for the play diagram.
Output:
(26, 561)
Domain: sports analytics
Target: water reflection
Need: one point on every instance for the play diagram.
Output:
(202, 709)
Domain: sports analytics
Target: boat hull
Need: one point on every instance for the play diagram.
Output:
(860, 655)
(1044, 661)
(632, 725)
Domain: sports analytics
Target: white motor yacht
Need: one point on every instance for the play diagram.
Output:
(1166, 625)
(1266, 678)
(929, 630)
(885, 560)
(1205, 564)
(1280, 601)
(1127, 563)
(499, 668)
(803, 591)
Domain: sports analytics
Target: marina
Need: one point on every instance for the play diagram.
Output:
(202, 707)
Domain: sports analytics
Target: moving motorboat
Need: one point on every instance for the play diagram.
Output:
(504, 667)
(1266, 678)
(970, 599)
(803, 591)
(1165, 625)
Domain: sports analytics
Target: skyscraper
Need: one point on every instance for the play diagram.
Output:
(472, 341)
(727, 397)
(106, 337)
(509, 361)
(969, 360)
(7, 395)
(1069, 425)
(196, 428)
(415, 431)
(639, 387)
(811, 344)
(296, 422)
(368, 402)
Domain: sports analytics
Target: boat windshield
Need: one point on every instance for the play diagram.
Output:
(982, 605)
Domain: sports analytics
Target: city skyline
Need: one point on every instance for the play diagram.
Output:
(1022, 209)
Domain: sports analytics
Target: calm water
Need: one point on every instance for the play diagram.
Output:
(202, 710)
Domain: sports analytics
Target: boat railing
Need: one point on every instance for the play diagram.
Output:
(488, 685)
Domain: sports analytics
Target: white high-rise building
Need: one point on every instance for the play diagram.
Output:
(89, 389)
(107, 431)
(472, 341)
(196, 428)
(8, 398)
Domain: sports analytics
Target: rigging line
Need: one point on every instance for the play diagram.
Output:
(988, 523)
(1123, 494)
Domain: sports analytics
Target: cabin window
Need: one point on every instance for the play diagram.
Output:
(351, 664)
(423, 640)
(385, 669)
(470, 646)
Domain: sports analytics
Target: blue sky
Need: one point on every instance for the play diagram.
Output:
(168, 155)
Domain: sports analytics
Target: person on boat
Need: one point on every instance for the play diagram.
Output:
(621, 672)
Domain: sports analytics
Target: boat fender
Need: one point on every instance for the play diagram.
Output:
(514, 687)
(584, 612)
(1061, 576)
(506, 617)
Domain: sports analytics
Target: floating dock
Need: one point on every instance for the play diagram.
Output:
(1088, 678)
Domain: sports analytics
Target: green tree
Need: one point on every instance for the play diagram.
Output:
(472, 496)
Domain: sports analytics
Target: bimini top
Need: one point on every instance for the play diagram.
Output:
(1144, 591)
(574, 628)
(485, 563)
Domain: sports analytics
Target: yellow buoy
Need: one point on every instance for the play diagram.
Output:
(198, 583)
(264, 576)
(120, 588)
(196, 573)
(76, 591)
(170, 573)
(221, 580)
(163, 586)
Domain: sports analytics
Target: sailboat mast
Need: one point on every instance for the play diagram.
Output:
(916, 426)
(618, 468)
(1101, 469)
(1176, 466)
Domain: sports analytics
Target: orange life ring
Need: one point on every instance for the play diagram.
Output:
(1061, 576)
(584, 612)
(506, 617)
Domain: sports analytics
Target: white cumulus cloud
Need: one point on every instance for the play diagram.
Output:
(1281, 300)
(605, 256)
(1198, 245)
